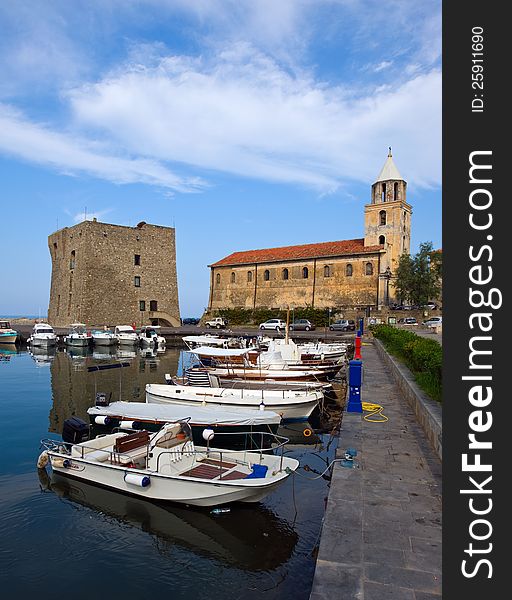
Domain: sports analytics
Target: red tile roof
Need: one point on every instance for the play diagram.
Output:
(304, 251)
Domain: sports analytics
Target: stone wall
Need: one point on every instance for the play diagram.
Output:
(326, 285)
(94, 275)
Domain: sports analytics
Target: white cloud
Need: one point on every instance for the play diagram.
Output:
(70, 155)
(239, 112)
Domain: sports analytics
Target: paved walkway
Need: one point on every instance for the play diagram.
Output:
(381, 537)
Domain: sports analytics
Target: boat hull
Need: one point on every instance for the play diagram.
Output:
(43, 342)
(8, 338)
(297, 411)
(79, 342)
(168, 488)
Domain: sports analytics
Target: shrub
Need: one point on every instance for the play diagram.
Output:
(422, 356)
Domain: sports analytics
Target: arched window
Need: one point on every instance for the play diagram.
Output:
(368, 269)
(383, 192)
(305, 273)
(395, 191)
(285, 274)
(233, 277)
(349, 270)
(382, 217)
(266, 275)
(218, 278)
(327, 271)
(249, 275)
(382, 240)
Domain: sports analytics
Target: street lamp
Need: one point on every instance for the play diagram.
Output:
(387, 277)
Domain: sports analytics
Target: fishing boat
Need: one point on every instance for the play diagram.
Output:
(7, 334)
(149, 337)
(103, 337)
(77, 336)
(290, 405)
(230, 363)
(141, 415)
(42, 335)
(167, 466)
(126, 335)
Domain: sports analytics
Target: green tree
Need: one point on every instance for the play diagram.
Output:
(404, 278)
(418, 278)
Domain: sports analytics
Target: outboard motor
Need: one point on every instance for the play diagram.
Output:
(102, 399)
(75, 431)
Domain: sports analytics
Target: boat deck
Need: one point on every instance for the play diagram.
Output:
(214, 469)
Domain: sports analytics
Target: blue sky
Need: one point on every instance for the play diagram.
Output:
(244, 123)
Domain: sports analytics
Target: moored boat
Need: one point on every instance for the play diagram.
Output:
(7, 334)
(103, 337)
(150, 338)
(141, 415)
(77, 336)
(126, 335)
(290, 405)
(42, 335)
(167, 466)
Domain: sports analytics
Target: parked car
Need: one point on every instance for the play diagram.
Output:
(343, 325)
(302, 325)
(190, 321)
(408, 321)
(217, 323)
(433, 321)
(277, 324)
(431, 306)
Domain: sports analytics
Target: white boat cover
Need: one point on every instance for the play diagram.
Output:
(200, 415)
(205, 339)
(205, 351)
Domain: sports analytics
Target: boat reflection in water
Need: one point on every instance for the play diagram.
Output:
(7, 350)
(43, 356)
(264, 545)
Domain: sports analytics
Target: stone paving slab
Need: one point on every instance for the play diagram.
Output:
(381, 535)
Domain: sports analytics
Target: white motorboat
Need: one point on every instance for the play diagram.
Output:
(42, 335)
(126, 335)
(290, 405)
(167, 466)
(7, 334)
(103, 337)
(149, 337)
(77, 335)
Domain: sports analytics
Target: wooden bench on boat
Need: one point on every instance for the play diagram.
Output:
(130, 447)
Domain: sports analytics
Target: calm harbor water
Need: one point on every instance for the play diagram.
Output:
(60, 538)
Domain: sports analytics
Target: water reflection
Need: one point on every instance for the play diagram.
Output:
(264, 545)
(74, 388)
(42, 356)
(7, 350)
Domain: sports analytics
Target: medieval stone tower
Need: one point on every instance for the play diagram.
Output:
(111, 275)
(387, 219)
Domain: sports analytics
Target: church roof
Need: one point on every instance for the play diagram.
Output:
(389, 170)
(304, 251)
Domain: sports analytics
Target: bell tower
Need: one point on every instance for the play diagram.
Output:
(387, 219)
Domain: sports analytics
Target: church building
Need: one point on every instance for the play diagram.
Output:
(355, 273)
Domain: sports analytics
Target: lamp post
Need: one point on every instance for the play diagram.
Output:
(387, 277)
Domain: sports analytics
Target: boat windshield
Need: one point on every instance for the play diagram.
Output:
(5, 325)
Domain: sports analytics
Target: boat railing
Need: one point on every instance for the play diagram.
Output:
(279, 441)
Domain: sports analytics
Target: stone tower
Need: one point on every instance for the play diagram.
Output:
(105, 274)
(387, 219)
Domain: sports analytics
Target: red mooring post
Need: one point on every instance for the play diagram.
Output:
(357, 352)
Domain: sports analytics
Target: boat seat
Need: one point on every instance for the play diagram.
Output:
(130, 447)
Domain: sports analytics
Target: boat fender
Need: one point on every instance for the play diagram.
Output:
(136, 479)
(208, 434)
(103, 420)
(42, 461)
(127, 424)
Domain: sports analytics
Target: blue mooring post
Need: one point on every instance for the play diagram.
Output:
(355, 380)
